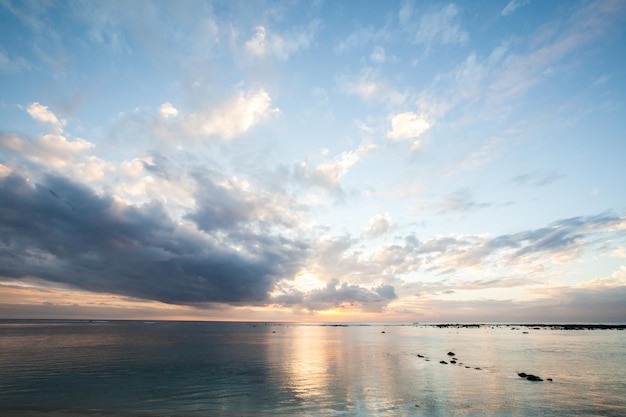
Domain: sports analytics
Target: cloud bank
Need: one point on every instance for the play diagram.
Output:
(62, 231)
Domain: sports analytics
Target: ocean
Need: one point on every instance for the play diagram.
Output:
(135, 368)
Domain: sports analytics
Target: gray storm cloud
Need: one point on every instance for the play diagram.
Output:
(62, 231)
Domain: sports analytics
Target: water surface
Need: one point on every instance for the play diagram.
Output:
(241, 369)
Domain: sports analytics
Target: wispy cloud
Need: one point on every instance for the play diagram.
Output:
(378, 55)
(441, 26)
(362, 37)
(265, 42)
(504, 74)
(537, 179)
(518, 73)
(512, 6)
(538, 250)
(460, 201)
(371, 86)
(12, 64)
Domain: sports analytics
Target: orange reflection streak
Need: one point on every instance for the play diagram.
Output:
(345, 369)
(308, 363)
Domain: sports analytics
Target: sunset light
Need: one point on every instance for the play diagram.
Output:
(387, 162)
(329, 208)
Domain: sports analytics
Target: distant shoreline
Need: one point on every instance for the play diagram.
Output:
(538, 326)
(512, 326)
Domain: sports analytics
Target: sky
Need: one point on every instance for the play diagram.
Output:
(313, 161)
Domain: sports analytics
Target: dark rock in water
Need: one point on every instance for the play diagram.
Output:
(478, 369)
(549, 379)
(467, 366)
(420, 356)
(452, 361)
(451, 353)
(383, 331)
(531, 377)
(444, 362)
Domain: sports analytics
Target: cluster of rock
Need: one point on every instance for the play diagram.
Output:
(531, 377)
(453, 360)
(532, 326)
(579, 326)
(457, 326)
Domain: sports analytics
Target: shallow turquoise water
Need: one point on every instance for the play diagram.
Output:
(234, 369)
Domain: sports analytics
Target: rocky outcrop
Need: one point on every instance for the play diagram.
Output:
(531, 377)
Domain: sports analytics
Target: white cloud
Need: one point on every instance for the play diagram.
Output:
(407, 125)
(617, 279)
(378, 225)
(166, 110)
(327, 174)
(232, 118)
(441, 27)
(44, 115)
(619, 276)
(54, 150)
(59, 144)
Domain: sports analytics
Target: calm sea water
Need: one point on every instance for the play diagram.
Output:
(237, 369)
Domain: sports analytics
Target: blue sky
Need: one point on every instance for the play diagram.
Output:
(313, 161)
